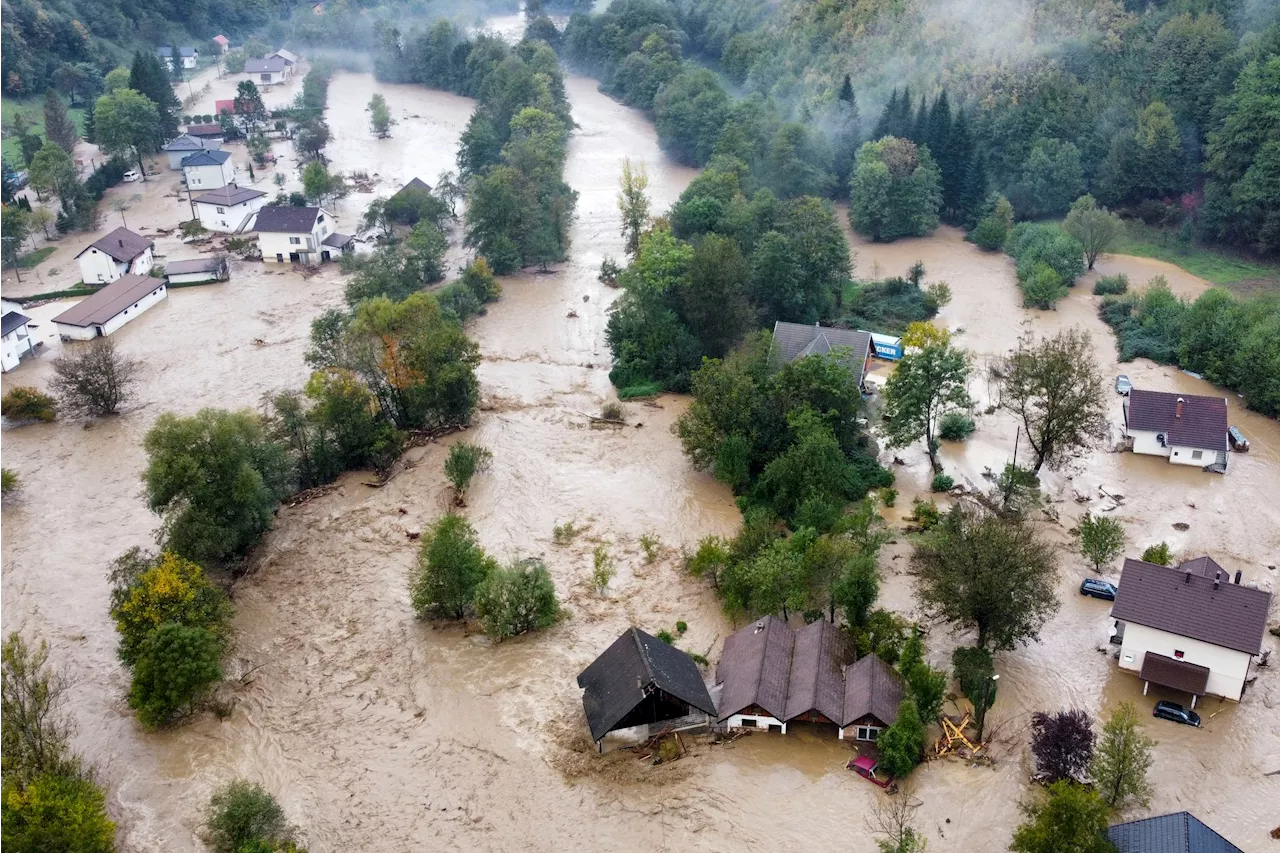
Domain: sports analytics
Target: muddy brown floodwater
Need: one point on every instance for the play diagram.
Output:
(377, 732)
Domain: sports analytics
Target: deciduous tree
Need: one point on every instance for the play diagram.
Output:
(451, 564)
(1071, 819)
(901, 745)
(896, 190)
(633, 204)
(176, 664)
(925, 384)
(1101, 539)
(1062, 744)
(128, 124)
(1121, 760)
(379, 116)
(463, 462)
(242, 814)
(1095, 227)
(94, 381)
(516, 599)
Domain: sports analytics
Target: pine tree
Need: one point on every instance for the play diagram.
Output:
(920, 125)
(955, 178)
(175, 62)
(888, 117)
(902, 116)
(846, 91)
(148, 77)
(847, 137)
(938, 136)
(58, 125)
(974, 193)
(88, 121)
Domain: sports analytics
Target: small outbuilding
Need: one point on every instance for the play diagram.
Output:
(288, 56)
(1182, 832)
(207, 132)
(223, 43)
(121, 252)
(641, 680)
(797, 340)
(196, 270)
(208, 170)
(18, 343)
(105, 311)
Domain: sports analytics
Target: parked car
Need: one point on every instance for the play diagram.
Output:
(1239, 443)
(1098, 589)
(130, 176)
(865, 766)
(1175, 712)
(19, 180)
(1123, 385)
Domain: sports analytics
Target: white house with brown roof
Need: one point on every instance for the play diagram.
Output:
(119, 253)
(105, 311)
(227, 208)
(1186, 429)
(298, 235)
(1190, 628)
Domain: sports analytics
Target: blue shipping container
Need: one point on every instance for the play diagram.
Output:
(887, 346)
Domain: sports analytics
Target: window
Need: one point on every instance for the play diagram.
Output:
(1128, 657)
(1196, 454)
(220, 210)
(748, 723)
(1179, 654)
(320, 218)
(868, 733)
(295, 241)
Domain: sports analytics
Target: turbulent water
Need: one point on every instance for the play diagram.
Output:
(377, 732)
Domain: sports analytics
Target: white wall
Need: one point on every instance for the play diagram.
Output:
(1145, 442)
(273, 244)
(191, 277)
(98, 267)
(210, 177)
(762, 722)
(142, 264)
(86, 333)
(1187, 456)
(231, 217)
(16, 344)
(1227, 667)
(176, 158)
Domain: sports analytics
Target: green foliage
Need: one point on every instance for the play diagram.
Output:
(215, 478)
(127, 124)
(379, 116)
(242, 813)
(891, 305)
(149, 592)
(451, 565)
(1094, 228)
(563, 534)
(1072, 817)
(666, 636)
(889, 496)
(33, 733)
(9, 482)
(925, 384)
(1049, 261)
(681, 626)
(941, 483)
(1101, 539)
(516, 599)
(1121, 760)
(928, 686)
(24, 403)
(925, 513)
(956, 426)
(1050, 178)
(1111, 285)
(1160, 554)
(603, 569)
(652, 547)
(462, 463)
(902, 744)
(975, 671)
(1146, 161)
(175, 666)
(55, 813)
(895, 190)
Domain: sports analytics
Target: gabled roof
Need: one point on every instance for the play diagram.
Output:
(183, 50)
(1187, 420)
(11, 321)
(206, 158)
(222, 40)
(205, 129)
(185, 142)
(1170, 833)
(627, 672)
(121, 244)
(816, 682)
(228, 196)
(192, 265)
(106, 303)
(415, 184)
(269, 65)
(287, 55)
(797, 340)
(1183, 602)
(872, 688)
(755, 668)
(277, 219)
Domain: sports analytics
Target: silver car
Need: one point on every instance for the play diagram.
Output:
(1123, 385)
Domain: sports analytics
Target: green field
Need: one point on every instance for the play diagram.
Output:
(1214, 265)
(34, 108)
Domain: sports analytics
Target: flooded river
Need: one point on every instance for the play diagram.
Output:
(380, 733)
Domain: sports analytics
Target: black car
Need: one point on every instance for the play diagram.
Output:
(1177, 713)
(1098, 589)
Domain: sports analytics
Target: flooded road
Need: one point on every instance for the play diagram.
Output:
(377, 732)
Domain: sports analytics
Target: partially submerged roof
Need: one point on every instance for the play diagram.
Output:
(280, 219)
(417, 184)
(755, 666)
(185, 142)
(1184, 602)
(269, 65)
(230, 196)
(121, 244)
(98, 308)
(205, 130)
(627, 672)
(193, 265)
(11, 321)
(797, 340)
(1173, 673)
(1187, 420)
(872, 688)
(816, 682)
(337, 240)
(206, 158)
(1171, 833)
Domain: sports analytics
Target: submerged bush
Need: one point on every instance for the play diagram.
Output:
(241, 815)
(956, 426)
(1111, 285)
(518, 598)
(451, 565)
(942, 483)
(24, 403)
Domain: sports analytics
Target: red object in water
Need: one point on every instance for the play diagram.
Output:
(228, 106)
(865, 767)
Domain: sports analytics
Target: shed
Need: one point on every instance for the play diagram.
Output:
(640, 680)
(223, 43)
(108, 309)
(196, 270)
(206, 131)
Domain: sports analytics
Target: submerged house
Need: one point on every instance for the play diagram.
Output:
(106, 310)
(188, 53)
(641, 680)
(1190, 628)
(227, 208)
(298, 235)
(181, 147)
(120, 252)
(208, 170)
(269, 71)
(1170, 833)
(18, 343)
(774, 675)
(197, 270)
(797, 340)
(1186, 429)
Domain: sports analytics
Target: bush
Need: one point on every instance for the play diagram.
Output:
(95, 381)
(1042, 288)
(457, 300)
(479, 279)
(242, 813)
(989, 234)
(901, 745)
(8, 481)
(562, 534)
(602, 570)
(941, 483)
(666, 636)
(55, 812)
(956, 426)
(889, 496)
(24, 403)
(174, 666)
(651, 545)
(1111, 285)
(1159, 554)
(517, 599)
(611, 411)
(148, 592)
(192, 228)
(463, 462)
(1038, 250)
(644, 389)
(451, 565)
(681, 626)
(925, 513)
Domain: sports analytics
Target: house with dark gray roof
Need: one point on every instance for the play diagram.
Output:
(298, 235)
(641, 680)
(196, 270)
(772, 675)
(1186, 429)
(17, 339)
(228, 208)
(268, 71)
(1193, 629)
(797, 340)
(208, 170)
(106, 310)
(190, 55)
(118, 253)
(181, 147)
(1170, 833)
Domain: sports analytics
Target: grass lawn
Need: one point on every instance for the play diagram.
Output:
(1213, 265)
(31, 260)
(34, 108)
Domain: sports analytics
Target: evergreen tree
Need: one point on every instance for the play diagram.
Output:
(957, 173)
(88, 123)
(847, 137)
(919, 131)
(149, 78)
(974, 192)
(175, 62)
(58, 125)
(884, 127)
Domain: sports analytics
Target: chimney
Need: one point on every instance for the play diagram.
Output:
(1178, 413)
(1188, 577)
(122, 244)
(1216, 576)
(1238, 574)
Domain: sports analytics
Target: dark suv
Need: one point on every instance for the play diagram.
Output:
(1098, 589)
(1177, 713)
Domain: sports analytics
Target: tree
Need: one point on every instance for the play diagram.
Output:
(15, 226)
(996, 575)
(248, 107)
(1072, 819)
(116, 78)
(463, 462)
(424, 252)
(53, 171)
(1052, 176)
(55, 813)
(928, 686)
(94, 381)
(976, 674)
(215, 479)
(901, 745)
(149, 78)
(633, 204)
(316, 181)
(450, 567)
(33, 733)
(58, 125)
(896, 190)
(1095, 227)
(128, 124)
(379, 116)
(1121, 760)
(1062, 744)
(1055, 390)
(1160, 554)
(925, 384)
(1101, 539)
(1146, 161)
(175, 666)
(148, 592)
(517, 599)
(42, 218)
(241, 813)
(312, 137)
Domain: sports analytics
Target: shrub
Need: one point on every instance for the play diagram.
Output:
(681, 626)
(562, 534)
(1036, 247)
(517, 599)
(941, 483)
(242, 813)
(95, 381)
(901, 745)
(1111, 285)
(458, 300)
(651, 545)
(956, 426)
(148, 592)
(603, 569)
(611, 411)
(1042, 287)
(451, 565)
(925, 513)
(8, 481)
(463, 462)
(1159, 554)
(24, 403)
(174, 666)
(192, 228)
(479, 279)
(644, 389)
(665, 636)
(989, 234)
(1062, 743)
(55, 812)
(889, 496)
